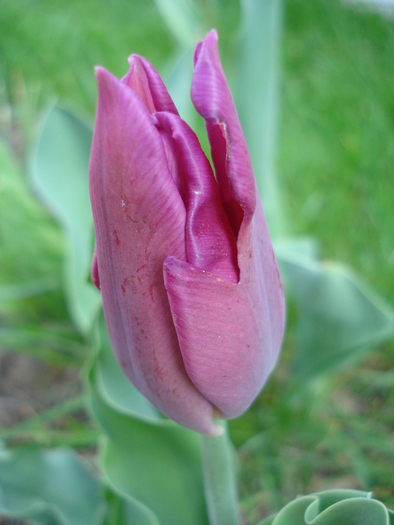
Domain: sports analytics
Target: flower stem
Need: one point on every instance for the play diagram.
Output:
(219, 479)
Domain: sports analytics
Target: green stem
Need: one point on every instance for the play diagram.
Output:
(219, 479)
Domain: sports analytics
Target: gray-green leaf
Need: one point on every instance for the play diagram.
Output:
(60, 175)
(339, 318)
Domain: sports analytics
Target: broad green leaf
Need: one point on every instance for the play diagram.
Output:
(339, 318)
(147, 457)
(294, 513)
(356, 511)
(333, 507)
(51, 487)
(267, 521)
(124, 510)
(256, 97)
(327, 498)
(60, 175)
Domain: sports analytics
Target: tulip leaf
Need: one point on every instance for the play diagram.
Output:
(124, 510)
(25, 228)
(352, 512)
(333, 507)
(60, 176)
(150, 459)
(339, 318)
(51, 487)
(256, 97)
(183, 20)
(267, 521)
(294, 512)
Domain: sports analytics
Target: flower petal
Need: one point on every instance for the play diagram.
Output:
(226, 350)
(146, 82)
(259, 271)
(210, 241)
(212, 98)
(260, 291)
(139, 219)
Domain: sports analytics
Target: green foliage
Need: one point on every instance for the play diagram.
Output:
(57, 487)
(50, 47)
(256, 89)
(336, 154)
(338, 318)
(30, 244)
(149, 458)
(61, 177)
(333, 507)
(182, 19)
(51, 487)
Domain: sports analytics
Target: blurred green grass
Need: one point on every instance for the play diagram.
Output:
(336, 165)
(337, 142)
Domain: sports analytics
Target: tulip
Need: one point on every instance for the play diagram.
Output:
(191, 289)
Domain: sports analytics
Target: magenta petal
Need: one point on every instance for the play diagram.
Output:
(146, 82)
(139, 219)
(212, 99)
(227, 351)
(259, 273)
(210, 241)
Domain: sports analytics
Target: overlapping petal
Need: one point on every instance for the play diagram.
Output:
(136, 206)
(212, 98)
(145, 81)
(234, 330)
(259, 271)
(210, 241)
(219, 336)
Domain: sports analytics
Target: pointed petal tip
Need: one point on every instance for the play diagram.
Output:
(134, 57)
(212, 99)
(211, 39)
(211, 36)
(131, 59)
(104, 79)
(100, 71)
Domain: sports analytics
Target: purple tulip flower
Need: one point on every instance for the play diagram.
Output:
(192, 293)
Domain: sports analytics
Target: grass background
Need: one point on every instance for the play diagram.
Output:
(336, 168)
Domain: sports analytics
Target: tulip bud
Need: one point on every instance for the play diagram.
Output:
(191, 289)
